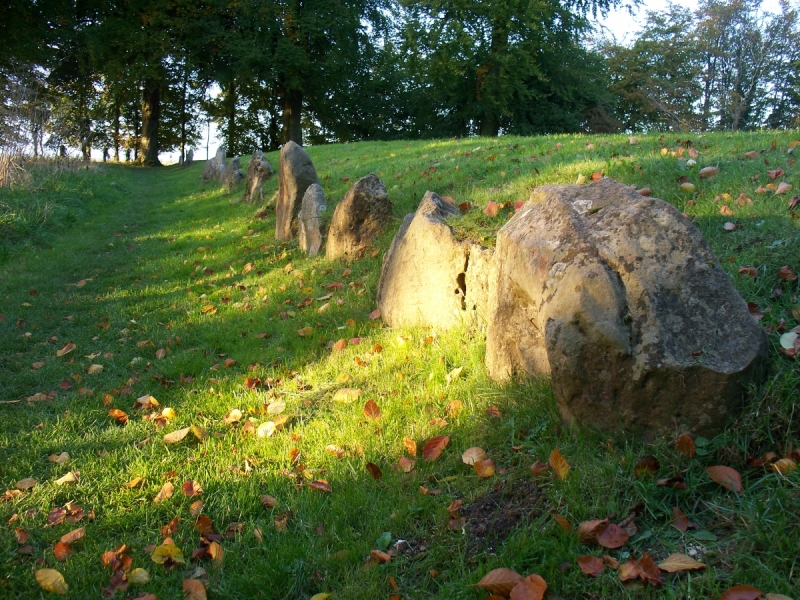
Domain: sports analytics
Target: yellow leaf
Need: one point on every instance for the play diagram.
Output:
(165, 552)
(473, 455)
(51, 580)
(320, 596)
(559, 464)
(680, 562)
(94, 369)
(176, 436)
(138, 577)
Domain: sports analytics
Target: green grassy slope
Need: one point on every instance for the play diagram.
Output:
(163, 282)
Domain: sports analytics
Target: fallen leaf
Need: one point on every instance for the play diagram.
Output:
(62, 551)
(320, 485)
(138, 576)
(453, 375)
(491, 209)
(73, 536)
(647, 465)
(191, 488)
(500, 581)
(473, 455)
(612, 563)
(484, 468)
(454, 408)
(559, 464)
(680, 562)
(374, 470)
(196, 508)
(371, 410)
(532, 587)
(65, 349)
(410, 446)
(613, 536)
(727, 477)
(563, 523)
(71, 477)
(784, 466)
(26, 484)
(786, 273)
(176, 436)
(340, 345)
(406, 464)
(305, 331)
(679, 520)
(741, 592)
(167, 551)
(164, 493)
(51, 580)
(433, 447)
(782, 188)
(538, 468)
(708, 172)
(119, 415)
(591, 565)
(193, 589)
(380, 556)
(346, 395)
(589, 530)
(22, 536)
(375, 314)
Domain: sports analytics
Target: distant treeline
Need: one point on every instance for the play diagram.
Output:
(134, 77)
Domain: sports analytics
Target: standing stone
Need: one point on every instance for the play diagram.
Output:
(313, 205)
(232, 174)
(295, 173)
(428, 277)
(359, 217)
(258, 171)
(189, 158)
(214, 167)
(621, 299)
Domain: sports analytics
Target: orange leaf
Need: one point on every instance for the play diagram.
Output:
(591, 565)
(726, 477)
(500, 581)
(374, 470)
(532, 587)
(559, 463)
(563, 523)
(433, 447)
(588, 530)
(406, 464)
(118, 415)
(685, 445)
(164, 493)
(484, 468)
(191, 488)
(371, 410)
(679, 520)
(194, 589)
(741, 592)
(340, 345)
(650, 570)
(62, 551)
(66, 349)
(73, 536)
(320, 485)
(410, 446)
(538, 468)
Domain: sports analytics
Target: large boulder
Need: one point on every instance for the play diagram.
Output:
(232, 174)
(428, 277)
(309, 236)
(258, 171)
(214, 167)
(295, 173)
(622, 301)
(359, 218)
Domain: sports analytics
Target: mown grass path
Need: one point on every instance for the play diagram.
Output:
(170, 286)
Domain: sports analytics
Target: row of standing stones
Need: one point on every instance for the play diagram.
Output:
(616, 296)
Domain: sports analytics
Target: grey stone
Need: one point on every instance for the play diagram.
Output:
(189, 158)
(309, 236)
(295, 173)
(214, 167)
(428, 277)
(232, 174)
(258, 171)
(359, 218)
(622, 301)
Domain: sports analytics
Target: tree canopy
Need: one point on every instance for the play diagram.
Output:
(136, 77)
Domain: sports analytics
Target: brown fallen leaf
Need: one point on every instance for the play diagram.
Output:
(589, 530)
(320, 485)
(380, 556)
(164, 493)
(591, 565)
(680, 562)
(563, 523)
(119, 415)
(66, 349)
(193, 589)
(727, 477)
(25, 484)
(613, 536)
(532, 587)
(473, 455)
(62, 551)
(433, 447)
(484, 468)
(73, 536)
(538, 468)
(499, 581)
(374, 470)
(191, 488)
(741, 592)
(406, 464)
(371, 410)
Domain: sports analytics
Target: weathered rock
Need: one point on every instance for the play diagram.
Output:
(295, 173)
(310, 238)
(620, 298)
(359, 218)
(258, 171)
(187, 162)
(214, 167)
(428, 277)
(232, 174)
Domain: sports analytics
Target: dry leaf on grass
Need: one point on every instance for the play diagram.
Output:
(727, 477)
(559, 464)
(500, 581)
(51, 580)
(680, 562)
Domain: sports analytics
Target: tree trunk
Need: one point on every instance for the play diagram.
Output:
(230, 109)
(151, 111)
(183, 114)
(117, 117)
(292, 104)
(490, 88)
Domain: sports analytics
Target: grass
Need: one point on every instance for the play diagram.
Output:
(128, 261)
